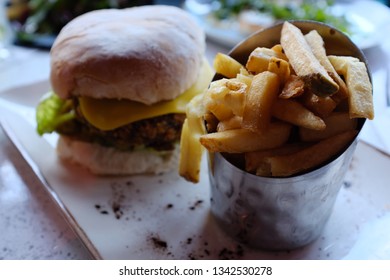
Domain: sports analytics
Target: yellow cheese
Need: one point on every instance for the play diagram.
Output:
(107, 114)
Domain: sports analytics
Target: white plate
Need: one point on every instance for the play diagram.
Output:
(164, 217)
(369, 20)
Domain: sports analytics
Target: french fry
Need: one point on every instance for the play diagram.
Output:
(258, 160)
(305, 64)
(211, 122)
(311, 157)
(360, 99)
(321, 106)
(294, 112)
(340, 63)
(224, 98)
(217, 89)
(190, 147)
(358, 82)
(244, 77)
(280, 52)
(316, 44)
(226, 65)
(223, 90)
(294, 86)
(280, 67)
(232, 123)
(235, 98)
(259, 59)
(243, 140)
(219, 109)
(259, 100)
(336, 123)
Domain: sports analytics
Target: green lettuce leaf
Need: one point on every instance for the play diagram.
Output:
(52, 112)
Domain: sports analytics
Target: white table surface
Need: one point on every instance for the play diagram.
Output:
(31, 226)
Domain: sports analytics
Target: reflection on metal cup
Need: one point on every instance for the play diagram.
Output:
(275, 213)
(279, 213)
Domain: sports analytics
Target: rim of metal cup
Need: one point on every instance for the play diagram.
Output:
(336, 43)
(329, 33)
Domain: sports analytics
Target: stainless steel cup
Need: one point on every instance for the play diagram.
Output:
(279, 213)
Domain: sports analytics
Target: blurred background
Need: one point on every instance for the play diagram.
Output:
(36, 22)
(32, 225)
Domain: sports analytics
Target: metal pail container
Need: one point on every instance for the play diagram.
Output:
(279, 213)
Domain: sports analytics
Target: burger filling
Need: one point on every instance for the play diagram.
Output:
(122, 124)
(160, 133)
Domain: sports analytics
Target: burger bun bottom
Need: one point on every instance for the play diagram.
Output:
(102, 160)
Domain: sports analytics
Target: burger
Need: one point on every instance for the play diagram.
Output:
(121, 80)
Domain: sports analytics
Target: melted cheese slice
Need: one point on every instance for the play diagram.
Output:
(108, 114)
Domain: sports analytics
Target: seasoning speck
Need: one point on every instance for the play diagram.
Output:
(116, 208)
(347, 184)
(158, 243)
(227, 254)
(169, 206)
(197, 203)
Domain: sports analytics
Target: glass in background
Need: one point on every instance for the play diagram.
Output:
(5, 32)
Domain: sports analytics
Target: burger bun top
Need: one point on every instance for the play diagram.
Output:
(146, 54)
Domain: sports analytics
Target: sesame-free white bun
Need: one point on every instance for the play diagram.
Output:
(102, 160)
(146, 54)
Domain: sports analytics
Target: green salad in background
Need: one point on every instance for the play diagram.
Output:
(282, 10)
(37, 22)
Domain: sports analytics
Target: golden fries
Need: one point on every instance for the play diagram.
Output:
(243, 140)
(336, 123)
(259, 101)
(321, 106)
(290, 109)
(304, 62)
(226, 65)
(258, 161)
(280, 52)
(235, 98)
(294, 86)
(360, 99)
(358, 82)
(193, 128)
(232, 123)
(340, 63)
(225, 98)
(259, 59)
(311, 157)
(279, 67)
(316, 44)
(294, 112)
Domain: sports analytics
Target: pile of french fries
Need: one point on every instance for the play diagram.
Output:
(290, 109)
